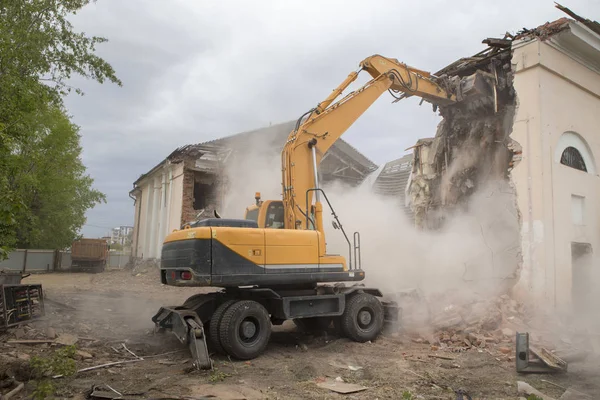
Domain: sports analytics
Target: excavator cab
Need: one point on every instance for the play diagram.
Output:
(270, 214)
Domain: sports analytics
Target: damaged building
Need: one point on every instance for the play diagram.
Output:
(193, 181)
(539, 146)
(524, 174)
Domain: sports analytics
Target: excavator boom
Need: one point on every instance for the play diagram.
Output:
(318, 129)
(408, 80)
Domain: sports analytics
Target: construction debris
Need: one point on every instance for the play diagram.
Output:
(19, 303)
(12, 393)
(543, 361)
(593, 25)
(122, 362)
(525, 388)
(447, 169)
(66, 339)
(572, 394)
(341, 387)
(465, 323)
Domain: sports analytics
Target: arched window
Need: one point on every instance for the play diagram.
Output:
(573, 151)
(571, 157)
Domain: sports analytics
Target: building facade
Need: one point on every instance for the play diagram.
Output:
(121, 235)
(557, 80)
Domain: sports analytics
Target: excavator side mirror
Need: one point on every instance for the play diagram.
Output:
(335, 225)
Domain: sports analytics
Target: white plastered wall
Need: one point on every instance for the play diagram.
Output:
(158, 209)
(559, 106)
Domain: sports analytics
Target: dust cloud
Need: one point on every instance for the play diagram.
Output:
(254, 170)
(478, 248)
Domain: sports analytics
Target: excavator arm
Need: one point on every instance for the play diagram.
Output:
(318, 129)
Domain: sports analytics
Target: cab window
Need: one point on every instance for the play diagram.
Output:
(275, 216)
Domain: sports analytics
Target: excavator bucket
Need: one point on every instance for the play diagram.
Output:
(474, 92)
(475, 85)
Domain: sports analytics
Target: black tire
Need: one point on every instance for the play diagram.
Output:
(215, 322)
(362, 319)
(245, 330)
(313, 324)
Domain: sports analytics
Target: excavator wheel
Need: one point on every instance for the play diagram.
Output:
(362, 319)
(245, 329)
(215, 322)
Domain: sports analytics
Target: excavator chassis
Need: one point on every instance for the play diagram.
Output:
(237, 321)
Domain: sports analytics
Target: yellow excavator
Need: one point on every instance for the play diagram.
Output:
(273, 265)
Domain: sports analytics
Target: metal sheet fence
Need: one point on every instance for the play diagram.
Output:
(51, 260)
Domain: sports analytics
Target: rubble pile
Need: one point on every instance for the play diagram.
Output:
(463, 324)
(143, 265)
(479, 323)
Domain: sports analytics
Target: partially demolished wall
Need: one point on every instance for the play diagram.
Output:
(464, 171)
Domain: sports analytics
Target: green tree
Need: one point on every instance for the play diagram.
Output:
(49, 177)
(39, 53)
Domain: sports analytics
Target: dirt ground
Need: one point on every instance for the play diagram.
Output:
(112, 310)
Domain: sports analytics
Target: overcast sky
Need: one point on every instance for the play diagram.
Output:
(197, 70)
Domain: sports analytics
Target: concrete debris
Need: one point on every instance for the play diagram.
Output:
(525, 388)
(99, 392)
(550, 359)
(51, 333)
(66, 339)
(443, 175)
(507, 332)
(84, 354)
(466, 324)
(341, 387)
(544, 31)
(142, 266)
(468, 160)
(572, 394)
(15, 391)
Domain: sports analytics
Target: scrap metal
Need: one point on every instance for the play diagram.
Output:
(19, 303)
(529, 360)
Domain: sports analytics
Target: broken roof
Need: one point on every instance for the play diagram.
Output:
(496, 46)
(593, 25)
(274, 136)
(393, 178)
(271, 138)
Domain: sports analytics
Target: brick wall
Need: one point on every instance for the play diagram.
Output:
(188, 213)
(187, 205)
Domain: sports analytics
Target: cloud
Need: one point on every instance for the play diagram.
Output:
(197, 70)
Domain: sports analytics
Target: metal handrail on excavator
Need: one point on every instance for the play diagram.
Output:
(337, 220)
